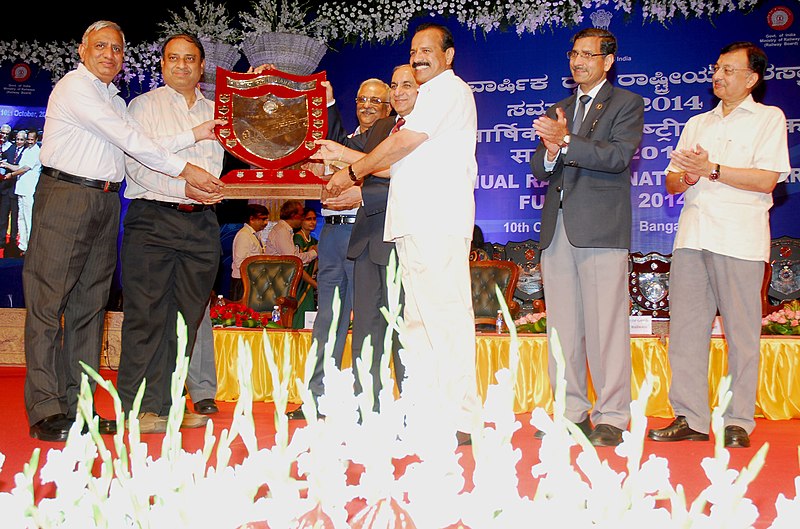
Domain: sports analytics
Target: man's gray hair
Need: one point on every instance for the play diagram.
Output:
(102, 24)
(376, 81)
(5, 127)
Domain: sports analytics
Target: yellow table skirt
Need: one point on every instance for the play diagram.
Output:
(778, 394)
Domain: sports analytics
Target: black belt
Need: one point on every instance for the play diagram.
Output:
(104, 185)
(184, 208)
(340, 219)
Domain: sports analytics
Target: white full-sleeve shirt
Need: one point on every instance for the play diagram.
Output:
(163, 112)
(88, 130)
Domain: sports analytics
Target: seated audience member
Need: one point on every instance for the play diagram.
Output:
(306, 291)
(246, 243)
(281, 238)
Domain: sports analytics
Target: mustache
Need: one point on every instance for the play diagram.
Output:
(368, 110)
(420, 63)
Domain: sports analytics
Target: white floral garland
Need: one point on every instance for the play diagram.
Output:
(365, 21)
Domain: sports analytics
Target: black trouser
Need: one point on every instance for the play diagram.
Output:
(169, 263)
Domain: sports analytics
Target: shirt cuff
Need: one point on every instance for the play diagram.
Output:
(177, 187)
(548, 165)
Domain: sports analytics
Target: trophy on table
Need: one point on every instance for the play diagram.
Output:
(273, 119)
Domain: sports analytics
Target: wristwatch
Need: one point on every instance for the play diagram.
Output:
(714, 176)
(565, 141)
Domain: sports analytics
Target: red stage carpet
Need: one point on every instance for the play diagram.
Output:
(684, 458)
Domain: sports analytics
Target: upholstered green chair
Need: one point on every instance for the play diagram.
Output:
(271, 280)
(485, 275)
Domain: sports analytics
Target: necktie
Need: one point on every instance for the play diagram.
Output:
(18, 155)
(576, 123)
(400, 123)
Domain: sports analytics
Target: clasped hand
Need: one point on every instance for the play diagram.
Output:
(552, 131)
(694, 162)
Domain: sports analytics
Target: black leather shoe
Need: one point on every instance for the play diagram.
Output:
(605, 435)
(585, 426)
(296, 414)
(54, 428)
(678, 430)
(736, 437)
(104, 426)
(464, 439)
(206, 407)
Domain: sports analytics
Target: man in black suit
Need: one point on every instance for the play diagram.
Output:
(585, 155)
(367, 247)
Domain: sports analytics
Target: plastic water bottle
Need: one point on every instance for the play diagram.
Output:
(276, 314)
(498, 323)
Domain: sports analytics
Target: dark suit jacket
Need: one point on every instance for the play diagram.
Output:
(7, 186)
(595, 173)
(371, 217)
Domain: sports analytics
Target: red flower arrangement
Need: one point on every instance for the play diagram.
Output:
(238, 315)
(784, 321)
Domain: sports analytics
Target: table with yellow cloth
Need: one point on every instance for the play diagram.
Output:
(778, 394)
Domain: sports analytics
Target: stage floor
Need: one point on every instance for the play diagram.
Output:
(778, 395)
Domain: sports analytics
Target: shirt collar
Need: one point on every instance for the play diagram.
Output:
(748, 104)
(593, 92)
(447, 74)
(179, 97)
(111, 88)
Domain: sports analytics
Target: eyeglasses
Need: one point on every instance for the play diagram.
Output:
(572, 54)
(363, 100)
(727, 70)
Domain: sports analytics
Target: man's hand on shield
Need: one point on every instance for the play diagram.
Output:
(205, 130)
(201, 179)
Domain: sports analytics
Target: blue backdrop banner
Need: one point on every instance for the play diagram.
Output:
(516, 78)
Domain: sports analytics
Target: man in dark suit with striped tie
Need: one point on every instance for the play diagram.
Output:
(587, 142)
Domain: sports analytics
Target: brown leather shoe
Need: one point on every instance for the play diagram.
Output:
(193, 420)
(585, 426)
(736, 437)
(677, 431)
(150, 422)
(206, 407)
(605, 435)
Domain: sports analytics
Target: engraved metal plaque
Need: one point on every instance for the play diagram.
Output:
(272, 119)
(784, 259)
(649, 284)
(529, 289)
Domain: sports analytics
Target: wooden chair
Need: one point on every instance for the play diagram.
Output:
(648, 284)
(485, 275)
(271, 280)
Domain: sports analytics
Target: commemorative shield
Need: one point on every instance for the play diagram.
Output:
(784, 259)
(273, 119)
(526, 255)
(649, 284)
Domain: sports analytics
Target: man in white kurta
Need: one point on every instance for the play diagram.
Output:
(432, 161)
(727, 162)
